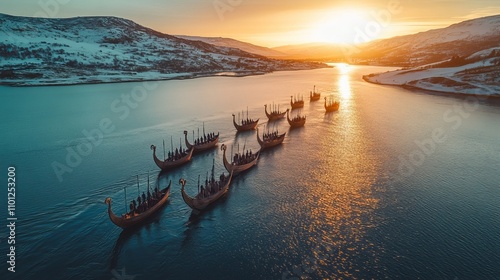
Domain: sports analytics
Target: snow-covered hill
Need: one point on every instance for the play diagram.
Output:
(462, 39)
(232, 43)
(476, 74)
(462, 58)
(40, 51)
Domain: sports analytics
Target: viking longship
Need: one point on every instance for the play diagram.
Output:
(297, 121)
(202, 200)
(251, 125)
(331, 106)
(268, 143)
(133, 219)
(274, 115)
(296, 103)
(201, 146)
(313, 95)
(172, 163)
(236, 168)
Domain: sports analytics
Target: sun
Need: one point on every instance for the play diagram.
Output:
(339, 26)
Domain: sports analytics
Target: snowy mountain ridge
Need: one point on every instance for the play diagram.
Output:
(41, 51)
(469, 30)
(463, 39)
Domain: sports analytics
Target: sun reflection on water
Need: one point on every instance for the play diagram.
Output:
(341, 86)
(343, 199)
(344, 87)
(344, 68)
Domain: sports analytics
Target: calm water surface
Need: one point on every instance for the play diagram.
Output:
(361, 193)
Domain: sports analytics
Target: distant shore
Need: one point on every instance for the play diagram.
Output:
(134, 77)
(110, 79)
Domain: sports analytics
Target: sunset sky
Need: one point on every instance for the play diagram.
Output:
(272, 23)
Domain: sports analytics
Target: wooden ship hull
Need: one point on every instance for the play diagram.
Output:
(295, 124)
(268, 144)
(246, 127)
(201, 147)
(165, 165)
(127, 221)
(199, 204)
(236, 169)
(297, 105)
(273, 116)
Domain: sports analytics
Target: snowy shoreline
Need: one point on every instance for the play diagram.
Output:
(130, 79)
(136, 78)
(416, 88)
(475, 75)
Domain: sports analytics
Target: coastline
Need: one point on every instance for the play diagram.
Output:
(442, 93)
(113, 80)
(131, 79)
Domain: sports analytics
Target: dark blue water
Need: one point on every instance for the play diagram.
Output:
(366, 192)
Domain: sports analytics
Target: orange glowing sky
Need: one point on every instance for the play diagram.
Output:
(274, 23)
